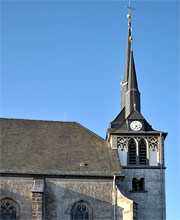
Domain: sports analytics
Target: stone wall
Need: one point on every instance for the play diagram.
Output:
(151, 203)
(37, 206)
(18, 189)
(124, 207)
(61, 194)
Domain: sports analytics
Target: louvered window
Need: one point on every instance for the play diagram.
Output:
(142, 152)
(132, 152)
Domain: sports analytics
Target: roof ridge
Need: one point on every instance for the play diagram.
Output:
(123, 110)
(136, 112)
(24, 119)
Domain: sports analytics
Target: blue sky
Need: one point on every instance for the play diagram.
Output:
(64, 60)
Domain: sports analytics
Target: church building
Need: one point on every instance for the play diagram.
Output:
(52, 170)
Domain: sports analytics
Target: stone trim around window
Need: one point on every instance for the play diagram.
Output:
(10, 207)
(81, 209)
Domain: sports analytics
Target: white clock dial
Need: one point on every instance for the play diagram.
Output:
(136, 125)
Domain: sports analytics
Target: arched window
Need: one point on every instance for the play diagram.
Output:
(134, 184)
(138, 185)
(81, 211)
(9, 210)
(132, 152)
(142, 152)
(141, 184)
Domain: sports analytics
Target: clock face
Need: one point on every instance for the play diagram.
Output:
(136, 125)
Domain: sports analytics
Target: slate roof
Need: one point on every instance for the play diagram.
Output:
(118, 120)
(130, 94)
(120, 125)
(51, 147)
(132, 80)
(126, 73)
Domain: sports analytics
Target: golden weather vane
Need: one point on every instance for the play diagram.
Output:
(129, 18)
(130, 8)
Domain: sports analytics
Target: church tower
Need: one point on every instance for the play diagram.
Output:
(140, 147)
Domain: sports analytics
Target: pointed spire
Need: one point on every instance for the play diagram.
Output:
(124, 85)
(130, 96)
(132, 80)
(126, 73)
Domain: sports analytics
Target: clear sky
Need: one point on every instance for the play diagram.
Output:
(63, 60)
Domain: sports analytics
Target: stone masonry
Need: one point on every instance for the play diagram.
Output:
(37, 206)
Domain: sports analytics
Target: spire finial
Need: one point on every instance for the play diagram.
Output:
(129, 19)
(129, 14)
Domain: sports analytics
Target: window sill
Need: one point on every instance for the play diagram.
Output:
(140, 191)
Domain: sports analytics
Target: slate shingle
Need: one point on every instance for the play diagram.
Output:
(51, 147)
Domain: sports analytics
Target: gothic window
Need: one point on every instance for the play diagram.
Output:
(142, 152)
(8, 210)
(81, 211)
(137, 185)
(132, 152)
